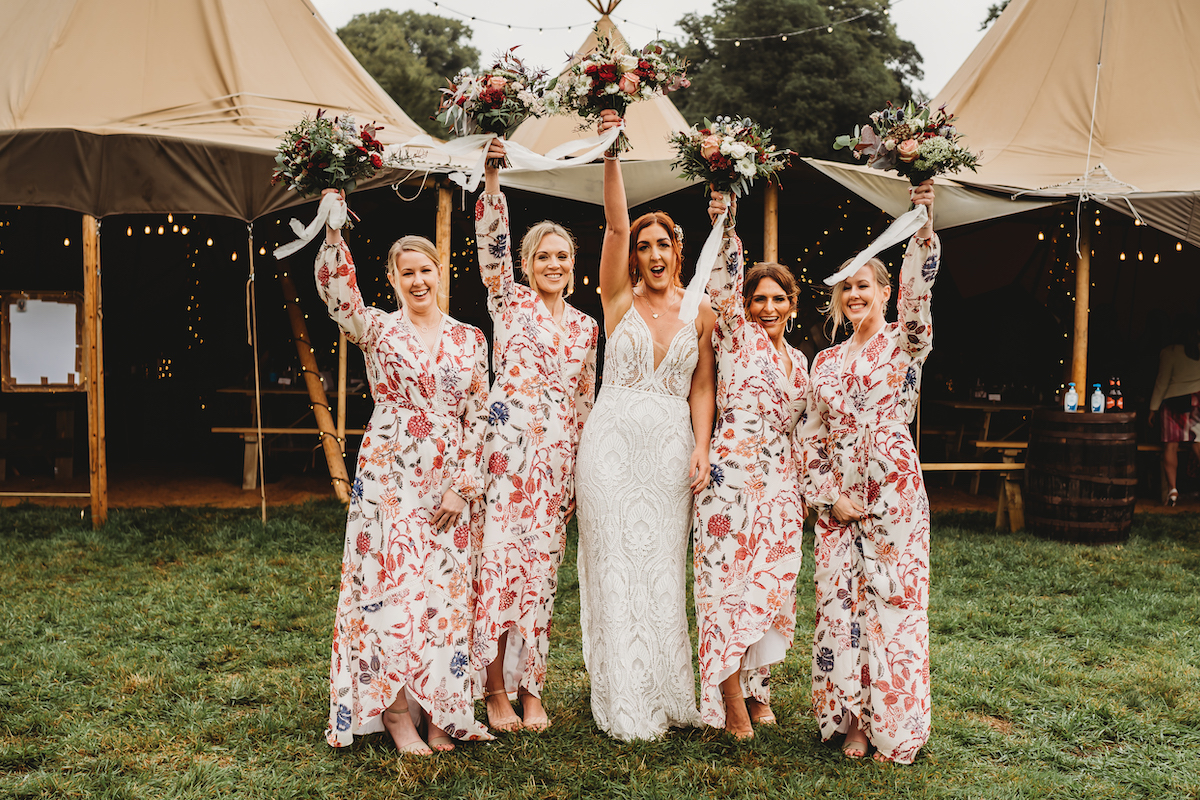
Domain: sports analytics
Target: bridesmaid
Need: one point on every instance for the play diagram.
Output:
(871, 644)
(544, 353)
(750, 518)
(401, 637)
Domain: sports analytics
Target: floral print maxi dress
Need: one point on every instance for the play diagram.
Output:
(404, 608)
(750, 518)
(871, 643)
(544, 388)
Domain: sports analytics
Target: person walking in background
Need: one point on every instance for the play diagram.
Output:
(871, 641)
(544, 354)
(401, 638)
(1176, 402)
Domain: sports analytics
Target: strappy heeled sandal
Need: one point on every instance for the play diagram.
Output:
(1172, 497)
(505, 725)
(740, 735)
(856, 745)
(537, 724)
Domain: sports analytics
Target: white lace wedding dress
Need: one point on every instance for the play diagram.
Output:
(635, 514)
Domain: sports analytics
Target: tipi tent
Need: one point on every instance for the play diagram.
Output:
(144, 106)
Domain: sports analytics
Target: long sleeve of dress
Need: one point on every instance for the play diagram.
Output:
(468, 482)
(337, 283)
(818, 482)
(917, 273)
(725, 285)
(495, 250)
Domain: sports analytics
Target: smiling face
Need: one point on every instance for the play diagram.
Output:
(862, 297)
(656, 259)
(770, 307)
(415, 279)
(551, 265)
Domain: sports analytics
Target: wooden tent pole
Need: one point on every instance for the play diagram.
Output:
(341, 390)
(252, 340)
(94, 367)
(445, 209)
(316, 392)
(771, 222)
(1083, 283)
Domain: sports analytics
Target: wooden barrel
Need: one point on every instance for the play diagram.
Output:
(1081, 476)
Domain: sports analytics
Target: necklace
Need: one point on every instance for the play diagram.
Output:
(425, 328)
(649, 308)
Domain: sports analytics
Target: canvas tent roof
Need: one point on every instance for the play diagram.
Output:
(1024, 97)
(147, 106)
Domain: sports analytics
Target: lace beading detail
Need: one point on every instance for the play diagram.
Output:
(629, 358)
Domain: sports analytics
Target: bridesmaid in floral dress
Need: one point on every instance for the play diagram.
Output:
(544, 354)
(401, 638)
(871, 644)
(750, 518)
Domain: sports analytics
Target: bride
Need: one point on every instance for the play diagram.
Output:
(643, 453)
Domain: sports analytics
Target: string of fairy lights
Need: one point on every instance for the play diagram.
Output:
(781, 36)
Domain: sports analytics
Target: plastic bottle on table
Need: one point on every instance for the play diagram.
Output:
(1097, 406)
(1071, 399)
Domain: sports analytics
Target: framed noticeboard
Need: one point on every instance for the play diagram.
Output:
(41, 342)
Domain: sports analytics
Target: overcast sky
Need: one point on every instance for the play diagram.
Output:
(944, 31)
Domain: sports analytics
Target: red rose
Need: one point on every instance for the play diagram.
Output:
(608, 73)
(376, 161)
(590, 69)
(497, 463)
(419, 426)
(718, 525)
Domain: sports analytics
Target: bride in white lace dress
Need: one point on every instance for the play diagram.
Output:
(643, 453)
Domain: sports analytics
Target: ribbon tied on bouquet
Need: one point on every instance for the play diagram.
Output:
(331, 210)
(521, 157)
(905, 226)
(690, 306)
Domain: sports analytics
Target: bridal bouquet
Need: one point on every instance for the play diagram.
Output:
(322, 153)
(495, 100)
(913, 140)
(728, 154)
(609, 78)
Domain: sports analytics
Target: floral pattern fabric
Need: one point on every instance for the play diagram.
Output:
(750, 517)
(404, 612)
(543, 390)
(871, 643)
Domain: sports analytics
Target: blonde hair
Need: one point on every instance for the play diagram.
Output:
(833, 309)
(410, 244)
(529, 245)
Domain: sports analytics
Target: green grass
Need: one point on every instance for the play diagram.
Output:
(183, 653)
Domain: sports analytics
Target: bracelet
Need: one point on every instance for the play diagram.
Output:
(607, 157)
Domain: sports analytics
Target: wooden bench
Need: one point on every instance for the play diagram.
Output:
(250, 454)
(1010, 504)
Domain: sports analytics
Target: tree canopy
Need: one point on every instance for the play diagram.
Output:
(411, 55)
(808, 88)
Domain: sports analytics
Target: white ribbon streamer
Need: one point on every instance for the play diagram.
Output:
(475, 147)
(690, 306)
(332, 210)
(905, 226)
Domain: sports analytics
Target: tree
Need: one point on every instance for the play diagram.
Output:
(809, 88)
(411, 55)
(994, 12)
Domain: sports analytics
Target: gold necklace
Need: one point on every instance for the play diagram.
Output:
(650, 308)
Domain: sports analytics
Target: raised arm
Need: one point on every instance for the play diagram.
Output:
(337, 283)
(917, 273)
(727, 278)
(492, 238)
(616, 289)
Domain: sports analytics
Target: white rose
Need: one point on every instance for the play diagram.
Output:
(612, 88)
(745, 167)
(627, 63)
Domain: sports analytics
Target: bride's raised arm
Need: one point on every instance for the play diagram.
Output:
(616, 288)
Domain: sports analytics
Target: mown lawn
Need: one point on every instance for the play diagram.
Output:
(183, 653)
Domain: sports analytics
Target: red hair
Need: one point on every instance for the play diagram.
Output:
(673, 233)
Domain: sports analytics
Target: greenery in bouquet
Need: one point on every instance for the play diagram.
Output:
(322, 153)
(495, 100)
(914, 140)
(728, 154)
(609, 78)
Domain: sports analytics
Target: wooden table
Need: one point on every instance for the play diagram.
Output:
(250, 433)
(986, 409)
(1010, 505)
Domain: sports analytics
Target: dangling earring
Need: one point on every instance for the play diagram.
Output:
(787, 326)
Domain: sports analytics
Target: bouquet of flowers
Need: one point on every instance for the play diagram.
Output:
(728, 154)
(322, 153)
(916, 142)
(496, 100)
(610, 78)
